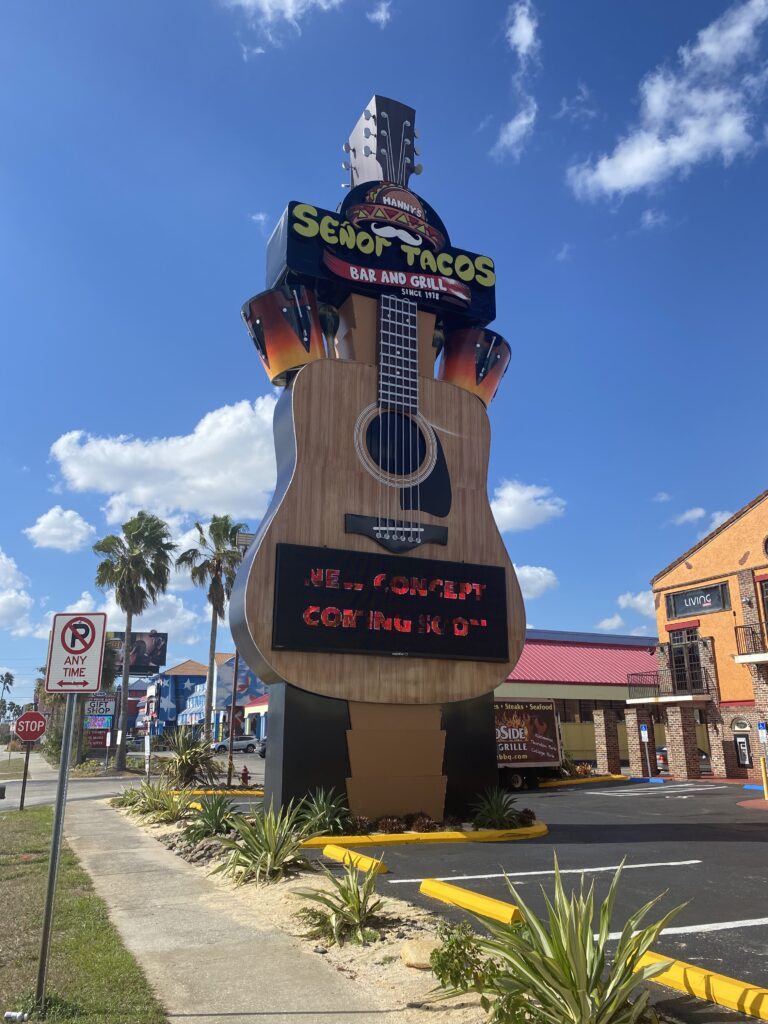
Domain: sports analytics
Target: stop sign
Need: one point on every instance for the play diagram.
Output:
(30, 726)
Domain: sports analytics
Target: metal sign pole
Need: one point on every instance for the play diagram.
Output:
(647, 759)
(24, 778)
(53, 865)
(230, 761)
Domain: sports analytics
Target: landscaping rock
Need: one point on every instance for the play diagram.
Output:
(416, 952)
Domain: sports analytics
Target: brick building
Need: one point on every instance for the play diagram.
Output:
(711, 676)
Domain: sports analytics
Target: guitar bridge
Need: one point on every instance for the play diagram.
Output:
(394, 534)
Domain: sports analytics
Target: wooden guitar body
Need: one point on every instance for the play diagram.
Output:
(322, 479)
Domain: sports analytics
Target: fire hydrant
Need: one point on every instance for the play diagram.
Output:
(245, 775)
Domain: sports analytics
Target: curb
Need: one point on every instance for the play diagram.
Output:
(485, 906)
(219, 792)
(556, 783)
(360, 861)
(393, 838)
(699, 982)
(709, 987)
(654, 780)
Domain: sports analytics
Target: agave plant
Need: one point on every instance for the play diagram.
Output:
(127, 798)
(150, 797)
(496, 809)
(193, 762)
(171, 807)
(560, 971)
(267, 847)
(213, 816)
(348, 911)
(325, 812)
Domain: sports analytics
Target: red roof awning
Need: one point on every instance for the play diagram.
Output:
(581, 663)
(258, 702)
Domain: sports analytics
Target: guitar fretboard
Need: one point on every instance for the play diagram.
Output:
(398, 353)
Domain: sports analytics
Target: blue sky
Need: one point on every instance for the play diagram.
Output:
(610, 157)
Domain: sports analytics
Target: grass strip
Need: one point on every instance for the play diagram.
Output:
(11, 769)
(92, 978)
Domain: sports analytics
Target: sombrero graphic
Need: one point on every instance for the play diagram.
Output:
(393, 212)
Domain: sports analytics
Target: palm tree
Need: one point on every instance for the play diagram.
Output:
(214, 563)
(6, 683)
(137, 565)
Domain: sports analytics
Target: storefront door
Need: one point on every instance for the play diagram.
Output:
(685, 659)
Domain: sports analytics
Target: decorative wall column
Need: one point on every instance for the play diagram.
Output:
(639, 758)
(682, 746)
(720, 755)
(607, 741)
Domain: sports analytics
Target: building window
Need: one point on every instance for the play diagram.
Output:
(586, 707)
(699, 601)
(685, 659)
(764, 596)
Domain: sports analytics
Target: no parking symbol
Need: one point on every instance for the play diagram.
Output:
(76, 652)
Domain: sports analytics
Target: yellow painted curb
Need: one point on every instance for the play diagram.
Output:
(711, 987)
(556, 783)
(485, 906)
(220, 792)
(360, 861)
(488, 835)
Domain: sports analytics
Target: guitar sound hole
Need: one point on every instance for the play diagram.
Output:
(395, 443)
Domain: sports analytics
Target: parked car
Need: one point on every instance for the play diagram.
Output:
(263, 748)
(247, 743)
(662, 760)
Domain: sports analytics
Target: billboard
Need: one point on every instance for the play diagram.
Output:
(98, 722)
(148, 651)
(527, 735)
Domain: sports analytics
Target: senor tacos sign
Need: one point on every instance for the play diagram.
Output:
(384, 237)
(526, 733)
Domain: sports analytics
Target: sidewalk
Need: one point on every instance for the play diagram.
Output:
(207, 961)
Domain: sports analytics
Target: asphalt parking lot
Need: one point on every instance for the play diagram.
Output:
(692, 839)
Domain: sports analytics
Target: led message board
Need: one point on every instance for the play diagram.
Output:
(335, 601)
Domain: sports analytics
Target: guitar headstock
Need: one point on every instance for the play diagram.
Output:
(382, 145)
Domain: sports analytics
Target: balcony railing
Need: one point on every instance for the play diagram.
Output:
(752, 639)
(685, 674)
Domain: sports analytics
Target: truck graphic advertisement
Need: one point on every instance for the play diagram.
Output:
(527, 734)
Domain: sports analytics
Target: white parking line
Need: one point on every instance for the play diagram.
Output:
(656, 790)
(716, 926)
(563, 871)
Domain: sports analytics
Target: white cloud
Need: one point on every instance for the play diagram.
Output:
(691, 515)
(63, 529)
(15, 601)
(650, 219)
(514, 134)
(519, 506)
(274, 11)
(226, 464)
(380, 14)
(578, 108)
(483, 124)
(535, 580)
(249, 52)
(641, 602)
(611, 623)
(260, 219)
(564, 252)
(703, 110)
(639, 631)
(520, 31)
(716, 519)
(661, 497)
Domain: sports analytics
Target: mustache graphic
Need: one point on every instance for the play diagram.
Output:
(390, 231)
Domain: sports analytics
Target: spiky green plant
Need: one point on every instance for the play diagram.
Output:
(496, 809)
(192, 762)
(325, 812)
(559, 971)
(128, 798)
(267, 847)
(213, 817)
(348, 910)
(171, 807)
(150, 797)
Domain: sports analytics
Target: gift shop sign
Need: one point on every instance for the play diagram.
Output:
(75, 652)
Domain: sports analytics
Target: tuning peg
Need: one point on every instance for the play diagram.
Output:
(418, 168)
(346, 147)
(367, 151)
(416, 152)
(346, 165)
(367, 114)
(368, 133)
(415, 134)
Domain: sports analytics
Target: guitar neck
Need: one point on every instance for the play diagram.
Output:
(398, 353)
